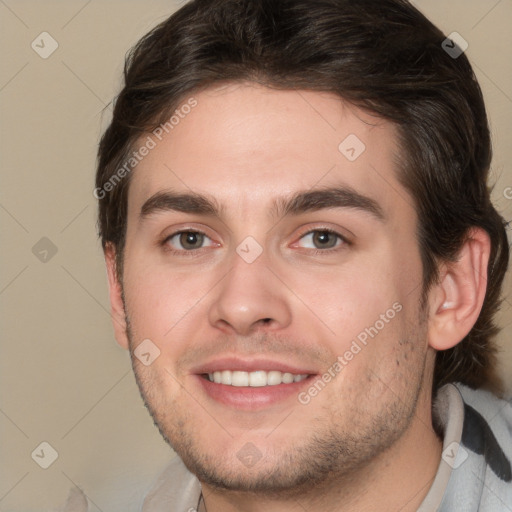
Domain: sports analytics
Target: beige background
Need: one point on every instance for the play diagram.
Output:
(63, 378)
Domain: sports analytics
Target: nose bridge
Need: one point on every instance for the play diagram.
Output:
(250, 295)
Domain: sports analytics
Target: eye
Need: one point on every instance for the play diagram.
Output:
(187, 240)
(323, 239)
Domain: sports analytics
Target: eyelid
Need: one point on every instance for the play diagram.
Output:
(308, 230)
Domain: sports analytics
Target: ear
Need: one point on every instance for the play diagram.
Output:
(456, 301)
(117, 311)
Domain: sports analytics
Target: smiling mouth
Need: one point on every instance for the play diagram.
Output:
(256, 379)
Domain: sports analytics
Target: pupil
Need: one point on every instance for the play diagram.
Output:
(189, 238)
(322, 238)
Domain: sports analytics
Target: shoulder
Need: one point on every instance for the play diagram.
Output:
(487, 429)
(488, 404)
(483, 474)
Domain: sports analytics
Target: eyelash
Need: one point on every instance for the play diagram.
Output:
(197, 252)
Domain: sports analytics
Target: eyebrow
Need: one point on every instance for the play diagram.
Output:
(300, 202)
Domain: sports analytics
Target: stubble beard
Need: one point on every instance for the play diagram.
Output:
(332, 452)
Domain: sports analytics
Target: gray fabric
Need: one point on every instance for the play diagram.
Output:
(483, 480)
(448, 411)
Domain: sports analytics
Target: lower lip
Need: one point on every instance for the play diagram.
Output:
(252, 398)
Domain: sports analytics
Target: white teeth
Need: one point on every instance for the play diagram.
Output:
(287, 378)
(274, 378)
(239, 378)
(255, 379)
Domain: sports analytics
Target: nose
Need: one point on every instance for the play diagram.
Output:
(250, 298)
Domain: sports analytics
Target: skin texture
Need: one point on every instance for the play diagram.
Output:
(365, 441)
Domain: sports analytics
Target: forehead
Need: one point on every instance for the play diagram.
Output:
(243, 144)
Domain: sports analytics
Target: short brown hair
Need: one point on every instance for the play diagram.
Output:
(381, 55)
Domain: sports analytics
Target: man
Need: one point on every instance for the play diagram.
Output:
(304, 261)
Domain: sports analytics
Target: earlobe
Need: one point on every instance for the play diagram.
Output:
(117, 311)
(456, 301)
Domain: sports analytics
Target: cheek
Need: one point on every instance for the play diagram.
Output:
(165, 304)
(370, 307)
(152, 299)
(354, 299)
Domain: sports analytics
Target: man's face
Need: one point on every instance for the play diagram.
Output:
(329, 286)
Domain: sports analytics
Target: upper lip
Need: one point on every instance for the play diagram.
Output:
(250, 365)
